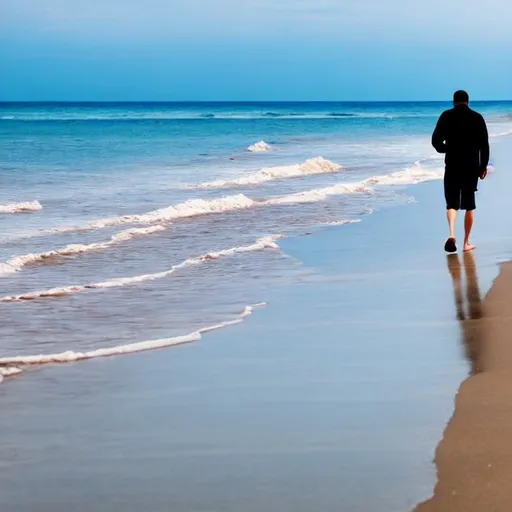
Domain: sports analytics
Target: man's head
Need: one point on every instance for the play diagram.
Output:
(460, 98)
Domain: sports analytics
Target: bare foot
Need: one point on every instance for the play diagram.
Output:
(469, 247)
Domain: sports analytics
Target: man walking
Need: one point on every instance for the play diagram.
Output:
(461, 133)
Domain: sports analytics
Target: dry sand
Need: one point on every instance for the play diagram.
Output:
(474, 459)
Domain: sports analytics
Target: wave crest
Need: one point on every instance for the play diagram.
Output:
(259, 147)
(196, 207)
(318, 165)
(268, 242)
(319, 194)
(409, 176)
(9, 371)
(25, 207)
(71, 356)
(16, 263)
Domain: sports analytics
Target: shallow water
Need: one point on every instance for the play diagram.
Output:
(118, 211)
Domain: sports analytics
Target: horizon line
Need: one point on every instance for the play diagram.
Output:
(241, 101)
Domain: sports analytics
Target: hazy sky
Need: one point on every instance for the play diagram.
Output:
(254, 50)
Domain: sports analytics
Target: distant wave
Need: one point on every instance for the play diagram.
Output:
(201, 116)
(259, 147)
(268, 242)
(16, 263)
(341, 114)
(71, 356)
(318, 165)
(31, 206)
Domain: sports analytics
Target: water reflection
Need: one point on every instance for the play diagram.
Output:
(469, 316)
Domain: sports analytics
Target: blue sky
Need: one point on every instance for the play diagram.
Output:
(254, 50)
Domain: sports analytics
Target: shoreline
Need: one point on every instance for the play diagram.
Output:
(473, 461)
(277, 413)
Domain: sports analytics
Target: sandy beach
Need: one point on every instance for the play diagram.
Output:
(474, 461)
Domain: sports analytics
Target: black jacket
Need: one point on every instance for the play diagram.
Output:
(461, 133)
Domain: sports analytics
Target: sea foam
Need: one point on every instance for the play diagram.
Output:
(260, 147)
(268, 242)
(319, 194)
(318, 165)
(26, 207)
(409, 176)
(199, 207)
(16, 263)
(9, 371)
(141, 346)
(190, 208)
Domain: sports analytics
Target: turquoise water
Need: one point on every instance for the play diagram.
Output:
(125, 223)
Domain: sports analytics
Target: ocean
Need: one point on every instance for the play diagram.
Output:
(131, 226)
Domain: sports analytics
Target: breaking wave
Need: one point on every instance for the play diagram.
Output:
(71, 356)
(26, 207)
(197, 207)
(318, 165)
(190, 208)
(410, 176)
(9, 371)
(259, 147)
(268, 242)
(319, 194)
(16, 263)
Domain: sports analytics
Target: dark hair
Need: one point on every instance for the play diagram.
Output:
(461, 97)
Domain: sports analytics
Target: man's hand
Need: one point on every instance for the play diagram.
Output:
(483, 173)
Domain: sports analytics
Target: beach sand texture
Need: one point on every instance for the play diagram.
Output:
(474, 459)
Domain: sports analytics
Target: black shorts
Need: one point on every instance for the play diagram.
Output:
(458, 198)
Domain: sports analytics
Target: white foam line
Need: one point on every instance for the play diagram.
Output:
(409, 176)
(318, 194)
(196, 207)
(9, 371)
(318, 165)
(501, 134)
(30, 206)
(268, 242)
(71, 356)
(190, 208)
(16, 263)
(342, 222)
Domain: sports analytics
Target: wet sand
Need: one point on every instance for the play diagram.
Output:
(334, 397)
(474, 459)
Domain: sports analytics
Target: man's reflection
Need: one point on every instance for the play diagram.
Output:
(470, 321)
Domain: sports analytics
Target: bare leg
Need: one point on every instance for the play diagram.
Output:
(468, 226)
(452, 218)
(450, 244)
